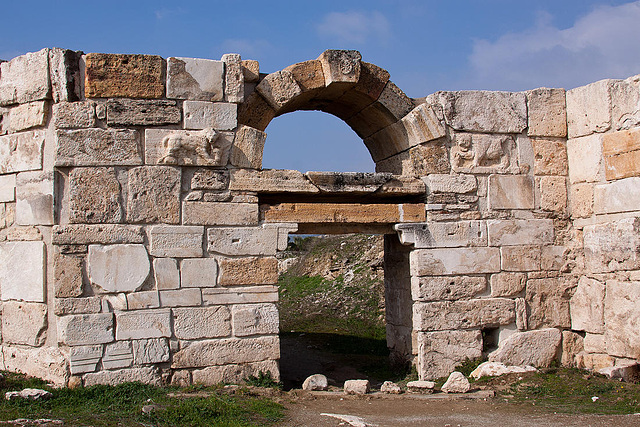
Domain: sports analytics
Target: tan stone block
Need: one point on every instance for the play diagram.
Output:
(581, 200)
(547, 112)
(618, 196)
(612, 246)
(117, 355)
(520, 232)
(621, 317)
(210, 115)
(622, 165)
(585, 158)
(248, 147)
(212, 213)
(97, 147)
(440, 352)
(625, 98)
(595, 343)
(64, 72)
(146, 375)
(454, 261)
(443, 234)
(550, 157)
(123, 76)
(451, 315)
(34, 198)
(255, 319)
(94, 196)
(198, 273)
(233, 78)
(511, 192)
(143, 299)
(507, 284)
(255, 112)
(68, 275)
(206, 147)
(340, 66)
(248, 271)
(166, 273)
(422, 160)
(48, 363)
(205, 322)
(572, 344)
(8, 188)
(589, 109)
(422, 125)
(234, 374)
(520, 258)
(243, 240)
(250, 70)
(139, 112)
(176, 241)
(143, 324)
(149, 202)
(25, 78)
(27, 116)
(226, 351)
(270, 181)
(308, 74)
(105, 234)
(89, 305)
(553, 193)
(587, 306)
(188, 297)
(83, 329)
(68, 115)
(118, 268)
(532, 348)
(446, 288)
(21, 152)
(278, 89)
(620, 142)
(594, 362)
(394, 100)
(240, 295)
(343, 212)
(548, 302)
(155, 350)
(621, 154)
(24, 323)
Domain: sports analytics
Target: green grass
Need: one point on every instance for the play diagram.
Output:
(122, 405)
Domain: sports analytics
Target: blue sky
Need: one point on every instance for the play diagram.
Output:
(426, 45)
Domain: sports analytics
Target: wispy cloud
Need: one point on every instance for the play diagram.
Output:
(355, 28)
(603, 43)
(167, 12)
(246, 47)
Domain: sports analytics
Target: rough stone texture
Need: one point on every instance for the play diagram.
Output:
(534, 348)
(233, 78)
(212, 213)
(150, 202)
(166, 273)
(548, 303)
(612, 246)
(84, 359)
(589, 109)
(243, 241)
(259, 319)
(89, 305)
(154, 350)
(340, 66)
(456, 383)
(507, 284)
(146, 375)
(255, 112)
(34, 198)
(389, 387)
(25, 78)
(198, 323)
(356, 387)
(205, 147)
(105, 234)
(358, 213)
(144, 299)
(585, 159)
(123, 76)
(48, 363)
(495, 369)
(520, 232)
(68, 276)
(21, 152)
(22, 271)
(69, 115)
(550, 157)
(581, 200)
(143, 324)
(422, 125)
(248, 147)
(138, 112)
(181, 298)
(587, 306)
(176, 241)
(621, 153)
(64, 73)
(27, 116)
(210, 179)
(279, 88)
(444, 235)
(215, 115)
(440, 352)
(214, 375)
(271, 181)
(421, 160)
(621, 317)
(7, 188)
(594, 362)
(511, 192)
(622, 195)
(445, 183)
(451, 315)
(572, 344)
(520, 258)
(118, 268)
(97, 147)
(248, 271)
(24, 323)
(316, 382)
(192, 78)
(446, 288)
(547, 112)
(241, 295)
(118, 355)
(553, 193)
(94, 196)
(85, 329)
(454, 261)
(198, 273)
(226, 351)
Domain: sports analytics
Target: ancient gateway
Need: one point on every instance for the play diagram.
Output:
(138, 230)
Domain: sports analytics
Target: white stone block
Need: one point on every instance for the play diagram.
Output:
(585, 159)
(27, 116)
(511, 192)
(22, 271)
(141, 300)
(198, 323)
(438, 262)
(117, 355)
(243, 240)
(198, 273)
(25, 78)
(143, 324)
(194, 78)
(24, 323)
(84, 359)
(154, 350)
(589, 109)
(255, 319)
(21, 151)
(146, 375)
(85, 329)
(445, 183)
(214, 115)
(181, 297)
(34, 198)
(621, 319)
(443, 234)
(166, 273)
(7, 188)
(227, 350)
(118, 268)
(511, 232)
(176, 241)
(587, 306)
(622, 195)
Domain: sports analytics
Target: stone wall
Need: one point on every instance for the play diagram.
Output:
(138, 230)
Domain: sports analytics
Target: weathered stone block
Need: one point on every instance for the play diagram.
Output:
(144, 299)
(27, 116)
(94, 196)
(279, 89)
(507, 284)
(25, 78)
(250, 70)
(271, 181)
(22, 271)
(511, 192)
(198, 273)
(214, 115)
(476, 313)
(621, 318)
(188, 297)
(154, 350)
(143, 324)
(48, 363)
(587, 306)
(146, 375)
(585, 159)
(625, 98)
(105, 234)
(533, 348)
(69, 115)
(421, 160)
(118, 268)
(176, 241)
(618, 196)
(594, 343)
(24, 323)
(446, 288)
(85, 359)
(123, 76)
(138, 112)
(350, 182)
(240, 295)
(192, 78)
(227, 351)
(34, 198)
(443, 234)
(149, 202)
(547, 112)
(233, 78)
(343, 212)
(589, 109)
(243, 240)
(64, 72)
(21, 151)
(234, 374)
(445, 183)
(210, 179)
(212, 213)
(85, 329)
(255, 319)
(612, 246)
(89, 305)
(581, 200)
(248, 147)
(548, 303)
(340, 66)
(198, 323)
(67, 275)
(422, 125)
(520, 232)
(166, 273)
(308, 75)
(440, 352)
(454, 261)
(572, 344)
(550, 157)
(520, 258)
(117, 355)
(205, 147)
(553, 193)
(97, 147)
(248, 271)
(7, 188)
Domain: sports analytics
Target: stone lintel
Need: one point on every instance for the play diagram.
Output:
(360, 213)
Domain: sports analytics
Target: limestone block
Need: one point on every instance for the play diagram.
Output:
(387, 387)
(520, 232)
(198, 323)
(443, 234)
(552, 258)
(421, 160)
(507, 284)
(240, 295)
(8, 188)
(27, 116)
(621, 318)
(149, 202)
(357, 387)
(234, 374)
(548, 303)
(511, 192)
(622, 195)
(587, 306)
(316, 382)
(340, 66)
(24, 323)
(145, 299)
(94, 196)
(85, 358)
(250, 70)
(553, 193)
(20, 232)
(248, 271)
(34, 198)
(69, 115)
(210, 179)
(279, 88)
(181, 298)
(550, 157)
(176, 241)
(440, 352)
(454, 261)
(114, 302)
(271, 181)
(520, 258)
(226, 351)
(581, 200)
(621, 153)
(456, 383)
(212, 213)
(67, 275)
(25, 78)
(193, 78)
(308, 75)
(48, 363)
(97, 147)
(446, 288)
(85, 329)
(255, 319)
(205, 147)
(233, 78)
(625, 98)
(243, 240)
(64, 72)
(533, 348)
(166, 273)
(422, 125)
(214, 115)
(449, 315)
(349, 182)
(22, 271)
(198, 273)
(445, 183)
(572, 344)
(343, 213)
(105, 234)
(154, 350)
(255, 112)
(117, 355)
(146, 375)
(139, 112)
(248, 147)
(612, 246)
(21, 152)
(118, 268)
(479, 153)
(594, 362)
(143, 324)
(547, 112)
(589, 109)
(123, 76)
(89, 305)
(585, 159)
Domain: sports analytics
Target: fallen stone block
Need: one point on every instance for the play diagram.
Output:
(495, 369)
(316, 382)
(456, 383)
(424, 387)
(356, 387)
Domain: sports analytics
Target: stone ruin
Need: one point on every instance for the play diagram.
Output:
(138, 230)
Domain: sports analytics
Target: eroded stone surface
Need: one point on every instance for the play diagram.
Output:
(612, 246)
(243, 240)
(24, 323)
(149, 202)
(27, 116)
(166, 273)
(547, 112)
(69, 115)
(548, 303)
(356, 387)
(589, 109)
(94, 196)
(198, 273)
(123, 76)
(232, 373)
(248, 271)
(97, 147)
(85, 329)
(213, 213)
(215, 115)
(146, 375)
(227, 351)
(511, 192)
(440, 352)
(443, 235)
(21, 152)
(621, 316)
(520, 232)
(259, 319)
(25, 78)
(534, 348)
(454, 261)
(192, 78)
(103, 233)
(143, 324)
(456, 383)
(34, 198)
(205, 147)
(154, 350)
(587, 306)
(198, 323)
(176, 241)
(138, 112)
(451, 315)
(447, 288)
(118, 268)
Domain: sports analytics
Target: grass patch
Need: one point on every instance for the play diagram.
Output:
(102, 405)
